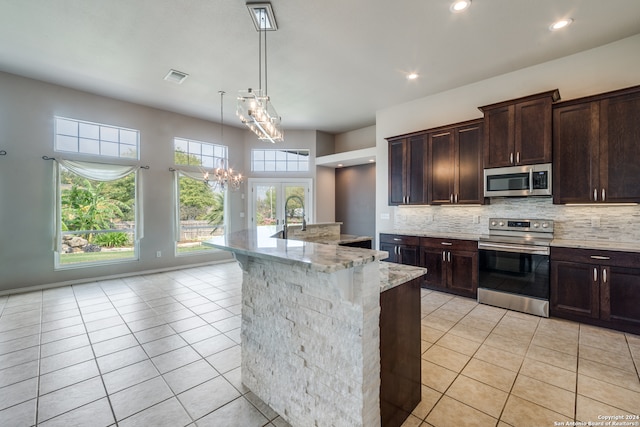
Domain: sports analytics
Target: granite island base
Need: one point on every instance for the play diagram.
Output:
(312, 344)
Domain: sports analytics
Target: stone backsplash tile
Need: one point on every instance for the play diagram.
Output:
(617, 223)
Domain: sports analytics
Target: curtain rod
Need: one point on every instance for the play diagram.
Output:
(53, 158)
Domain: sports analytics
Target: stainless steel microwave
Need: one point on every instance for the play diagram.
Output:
(518, 181)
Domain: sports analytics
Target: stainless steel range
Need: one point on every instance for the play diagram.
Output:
(514, 265)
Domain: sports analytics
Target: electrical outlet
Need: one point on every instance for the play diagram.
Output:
(384, 216)
(158, 254)
(476, 219)
(595, 221)
(241, 214)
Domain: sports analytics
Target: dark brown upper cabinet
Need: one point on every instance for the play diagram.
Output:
(407, 158)
(518, 132)
(455, 164)
(596, 149)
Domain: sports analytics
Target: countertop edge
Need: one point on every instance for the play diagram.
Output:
(392, 274)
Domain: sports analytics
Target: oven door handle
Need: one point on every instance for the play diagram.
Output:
(521, 249)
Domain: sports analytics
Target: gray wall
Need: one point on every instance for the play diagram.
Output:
(356, 199)
(27, 108)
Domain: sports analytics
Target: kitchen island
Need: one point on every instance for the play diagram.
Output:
(313, 333)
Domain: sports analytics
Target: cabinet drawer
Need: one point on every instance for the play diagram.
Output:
(399, 239)
(594, 256)
(454, 244)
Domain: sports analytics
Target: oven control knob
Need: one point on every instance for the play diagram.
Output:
(493, 223)
(545, 225)
(501, 224)
(536, 225)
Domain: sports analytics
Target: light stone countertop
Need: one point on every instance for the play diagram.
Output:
(315, 256)
(436, 234)
(392, 275)
(342, 239)
(603, 245)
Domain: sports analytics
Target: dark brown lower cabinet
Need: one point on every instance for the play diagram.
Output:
(452, 265)
(596, 287)
(400, 389)
(402, 249)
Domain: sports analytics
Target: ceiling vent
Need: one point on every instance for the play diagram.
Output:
(175, 76)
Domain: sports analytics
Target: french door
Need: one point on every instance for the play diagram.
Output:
(268, 199)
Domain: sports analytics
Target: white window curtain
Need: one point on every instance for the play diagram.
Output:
(176, 197)
(96, 172)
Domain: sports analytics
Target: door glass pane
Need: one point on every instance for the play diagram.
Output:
(266, 209)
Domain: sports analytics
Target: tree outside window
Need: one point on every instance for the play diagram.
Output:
(201, 208)
(97, 219)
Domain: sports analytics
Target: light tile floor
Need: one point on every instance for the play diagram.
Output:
(163, 350)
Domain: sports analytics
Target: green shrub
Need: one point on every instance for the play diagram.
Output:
(111, 240)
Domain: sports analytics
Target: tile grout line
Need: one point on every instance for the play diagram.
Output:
(39, 361)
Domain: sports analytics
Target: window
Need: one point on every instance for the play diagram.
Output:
(97, 215)
(200, 208)
(75, 136)
(289, 160)
(197, 153)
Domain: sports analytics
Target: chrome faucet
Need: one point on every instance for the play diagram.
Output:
(304, 222)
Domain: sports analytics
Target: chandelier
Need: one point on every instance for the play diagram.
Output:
(223, 178)
(254, 106)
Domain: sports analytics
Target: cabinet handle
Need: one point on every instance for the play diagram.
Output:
(595, 194)
(603, 195)
(456, 198)
(604, 275)
(399, 251)
(444, 255)
(449, 256)
(450, 198)
(446, 243)
(518, 157)
(595, 274)
(600, 257)
(511, 157)
(395, 239)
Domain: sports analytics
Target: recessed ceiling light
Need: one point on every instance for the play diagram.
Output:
(372, 160)
(460, 5)
(339, 165)
(562, 23)
(175, 76)
(412, 76)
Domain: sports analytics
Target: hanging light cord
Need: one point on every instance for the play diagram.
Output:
(221, 92)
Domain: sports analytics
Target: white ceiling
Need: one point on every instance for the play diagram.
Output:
(332, 63)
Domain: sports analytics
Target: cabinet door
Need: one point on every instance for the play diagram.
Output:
(620, 289)
(441, 172)
(574, 289)
(620, 149)
(499, 136)
(409, 255)
(463, 273)
(397, 169)
(469, 173)
(533, 132)
(575, 153)
(432, 261)
(391, 249)
(415, 174)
